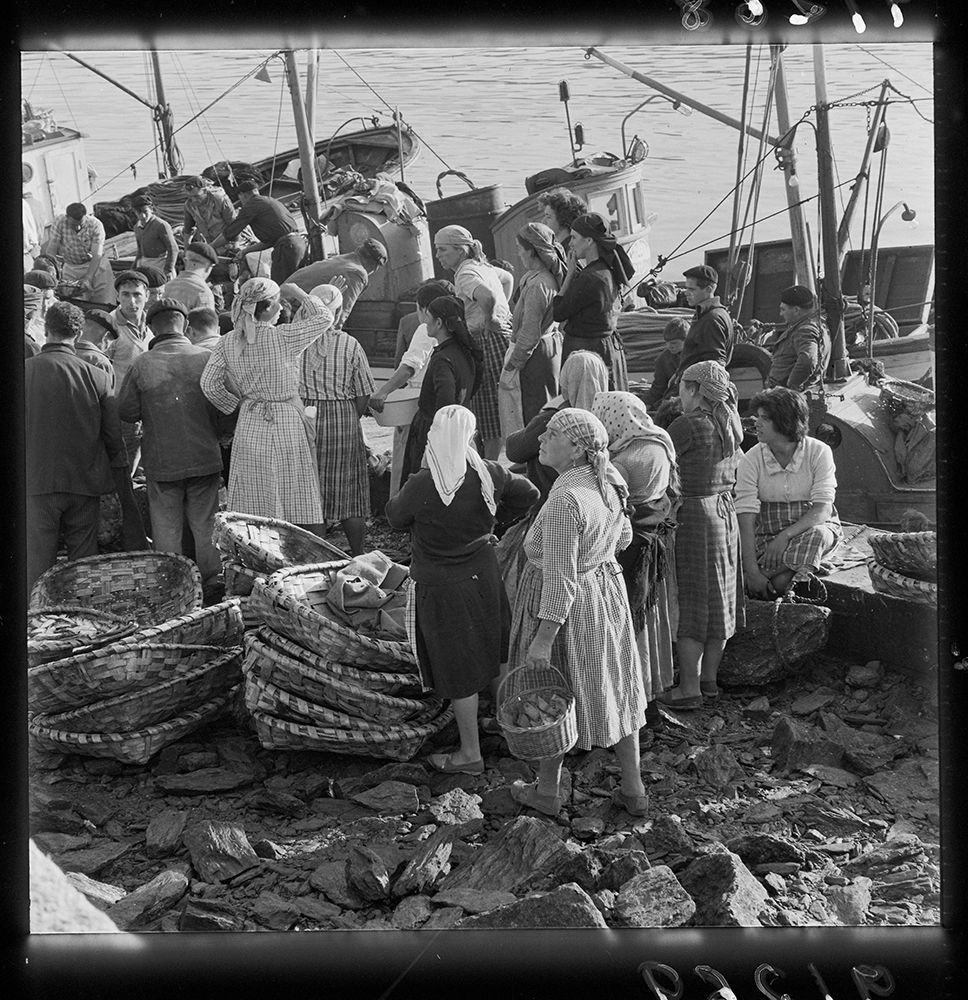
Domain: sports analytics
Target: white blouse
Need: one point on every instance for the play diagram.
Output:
(810, 475)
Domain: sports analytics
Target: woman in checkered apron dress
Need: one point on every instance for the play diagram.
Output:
(488, 318)
(571, 606)
(273, 471)
(711, 608)
(785, 489)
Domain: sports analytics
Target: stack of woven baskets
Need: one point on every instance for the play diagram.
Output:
(905, 564)
(122, 658)
(311, 681)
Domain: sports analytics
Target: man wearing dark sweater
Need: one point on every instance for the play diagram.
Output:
(710, 336)
(667, 363)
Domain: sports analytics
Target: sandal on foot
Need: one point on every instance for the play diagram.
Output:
(444, 762)
(709, 690)
(491, 726)
(680, 703)
(527, 794)
(634, 805)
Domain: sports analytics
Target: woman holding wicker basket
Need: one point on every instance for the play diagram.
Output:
(572, 612)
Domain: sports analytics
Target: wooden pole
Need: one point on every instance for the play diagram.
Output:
(733, 254)
(804, 271)
(831, 295)
(172, 164)
(312, 207)
(312, 71)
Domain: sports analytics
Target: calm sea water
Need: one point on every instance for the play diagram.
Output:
(494, 114)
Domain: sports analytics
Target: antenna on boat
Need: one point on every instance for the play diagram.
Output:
(564, 97)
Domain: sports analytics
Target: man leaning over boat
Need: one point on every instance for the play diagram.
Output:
(801, 347)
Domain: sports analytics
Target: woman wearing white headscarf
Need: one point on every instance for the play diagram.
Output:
(458, 614)
(708, 569)
(273, 472)
(571, 607)
(646, 457)
(335, 384)
(478, 285)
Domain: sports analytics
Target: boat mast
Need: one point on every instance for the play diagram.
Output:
(831, 295)
(312, 72)
(312, 208)
(803, 268)
(163, 115)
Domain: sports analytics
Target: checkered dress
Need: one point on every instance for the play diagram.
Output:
(805, 553)
(334, 373)
(571, 577)
(273, 472)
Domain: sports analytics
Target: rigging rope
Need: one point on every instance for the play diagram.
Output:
(894, 69)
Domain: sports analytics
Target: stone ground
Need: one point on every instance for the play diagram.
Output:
(812, 801)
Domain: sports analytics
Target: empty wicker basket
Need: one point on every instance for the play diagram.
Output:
(266, 544)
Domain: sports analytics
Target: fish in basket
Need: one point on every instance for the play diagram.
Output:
(65, 630)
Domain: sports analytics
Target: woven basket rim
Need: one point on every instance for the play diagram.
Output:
(388, 734)
(546, 726)
(119, 627)
(224, 521)
(899, 579)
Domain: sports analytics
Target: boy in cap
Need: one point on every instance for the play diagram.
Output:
(349, 272)
(710, 336)
(182, 461)
(801, 347)
(79, 239)
(190, 287)
(156, 241)
(667, 363)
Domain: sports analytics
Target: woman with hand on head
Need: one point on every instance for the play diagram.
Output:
(571, 607)
(458, 616)
(707, 438)
(587, 304)
(785, 490)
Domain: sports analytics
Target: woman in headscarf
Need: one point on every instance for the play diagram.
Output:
(458, 617)
(646, 458)
(587, 304)
(571, 607)
(335, 384)
(273, 472)
(707, 438)
(582, 376)
(478, 286)
(534, 359)
(452, 375)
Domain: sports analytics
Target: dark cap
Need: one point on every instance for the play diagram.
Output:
(704, 274)
(165, 305)
(75, 210)
(154, 277)
(203, 250)
(102, 319)
(40, 279)
(250, 185)
(131, 275)
(193, 180)
(374, 249)
(797, 295)
(142, 201)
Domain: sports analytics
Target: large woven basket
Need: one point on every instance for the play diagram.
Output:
(266, 544)
(239, 581)
(390, 742)
(134, 747)
(81, 629)
(911, 553)
(311, 676)
(148, 587)
(118, 669)
(202, 673)
(539, 742)
(344, 706)
(886, 581)
(899, 396)
(286, 601)
(217, 625)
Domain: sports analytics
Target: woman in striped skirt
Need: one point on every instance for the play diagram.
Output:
(571, 607)
(488, 317)
(711, 609)
(785, 489)
(336, 382)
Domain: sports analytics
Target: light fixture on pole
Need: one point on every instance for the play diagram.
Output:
(683, 109)
(908, 215)
(807, 14)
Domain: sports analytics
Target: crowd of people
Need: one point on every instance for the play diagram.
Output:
(615, 549)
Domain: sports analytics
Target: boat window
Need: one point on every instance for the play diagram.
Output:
(611, 206)
(638, 203)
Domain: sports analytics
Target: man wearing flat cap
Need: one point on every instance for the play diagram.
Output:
(38, 297)
(78, 237)
(89, 346)
(180, 452)
(132, 341)
(710, 336)
(190, 287)
(156, 241)
(208, 210)
(274, 228)
(349, 272)
(801, 347)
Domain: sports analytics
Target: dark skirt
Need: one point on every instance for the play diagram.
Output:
(610, 348)
(416, 444)
(539, 377)
(463, 629)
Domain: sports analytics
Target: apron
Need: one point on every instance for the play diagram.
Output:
(102, 285)
(510, 408)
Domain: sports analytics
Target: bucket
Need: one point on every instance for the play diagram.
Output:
(400, 407)
(475, 210)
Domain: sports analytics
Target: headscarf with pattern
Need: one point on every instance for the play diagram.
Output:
(583, 374)
(450, 451)
(584, 429)
(254, 291)
(541, 239)
(715, 387)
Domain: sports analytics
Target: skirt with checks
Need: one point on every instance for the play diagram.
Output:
(484, 402)
(806, 552)
(344, 478)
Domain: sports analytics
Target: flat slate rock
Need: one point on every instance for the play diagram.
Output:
(395, 798)
(716, 766)
(627, 866)
(766, 848)
(910, 780)
(316, 909)
(526, 848)
(164, 833)
(813, 701)
(411, 912)
(444, 919)
(835, 776)
(725, 891)
(367, 873)
(330, 879)
(667, 837)
(567, 906)
(797, 744)
(429, 863)
(150, 901)
(91, 860)
(101, 894)
(208, 779)
(219, 851)
(473, 900)
(849, 904)
(209, 916)
(654, 898)
(58, 843)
